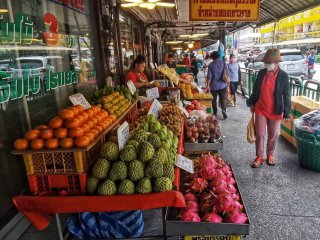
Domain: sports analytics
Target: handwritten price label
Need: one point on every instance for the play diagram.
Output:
(123, 135)
(184, 163)
(79, 99)
(155, 108)
(131, 87)
(152, 93)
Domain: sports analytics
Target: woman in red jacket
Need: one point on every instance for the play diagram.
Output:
(270, 102)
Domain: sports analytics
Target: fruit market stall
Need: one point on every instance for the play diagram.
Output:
(137, 175)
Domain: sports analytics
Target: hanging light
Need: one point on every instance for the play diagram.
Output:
(165, 4)
(174, 42)
(129, 5)
(133, 1)
(190, 44)
(2, 10)
(147, 5)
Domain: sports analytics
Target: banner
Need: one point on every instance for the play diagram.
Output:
(224, 10)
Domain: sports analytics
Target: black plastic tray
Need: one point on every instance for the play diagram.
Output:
(176, 227)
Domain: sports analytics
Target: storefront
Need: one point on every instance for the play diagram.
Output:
(45, 56)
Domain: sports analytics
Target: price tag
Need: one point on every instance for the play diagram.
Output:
(131, 87)
(184, 163)
(155, 108)
(184, 111)
(79, 99)
(123, 134)
(187, 102)
(152, 93)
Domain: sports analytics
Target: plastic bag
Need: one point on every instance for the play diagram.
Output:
(198, 114)
(251, 135)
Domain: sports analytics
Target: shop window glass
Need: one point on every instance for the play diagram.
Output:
(127, 40)
(42, 63)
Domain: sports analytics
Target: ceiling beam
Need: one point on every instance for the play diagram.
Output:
(268, 13)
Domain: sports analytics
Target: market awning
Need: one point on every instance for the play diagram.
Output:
(173, 22)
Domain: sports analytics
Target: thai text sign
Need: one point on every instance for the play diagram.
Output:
(31, 83)
(224, 10)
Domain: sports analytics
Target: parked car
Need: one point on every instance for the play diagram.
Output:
(38, 65)
(293, 62)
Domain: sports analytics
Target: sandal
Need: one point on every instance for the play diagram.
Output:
(271, 161)
(257, 162)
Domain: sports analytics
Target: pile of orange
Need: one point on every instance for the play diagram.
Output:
(75, 126)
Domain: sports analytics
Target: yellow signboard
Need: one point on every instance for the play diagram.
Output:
(224, 10)
(214, 237)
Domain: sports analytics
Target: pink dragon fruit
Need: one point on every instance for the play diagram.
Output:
(218, 186)
(192, 206)
(225, 203)
(189, 216)
(190, 197)
(207, 172)
(198, 185)
(236, 196)
(212, 217)
(236, 217)
(231, 189)
(206, 197)
(208, 207)
(238, 207)
(220, 175)
(230, 180)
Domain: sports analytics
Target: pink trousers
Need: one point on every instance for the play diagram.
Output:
(263, 126)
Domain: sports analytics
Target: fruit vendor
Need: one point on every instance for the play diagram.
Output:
(216, 84)
(270, 102)
(136, 73)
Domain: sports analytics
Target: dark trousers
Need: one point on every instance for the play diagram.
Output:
(222, 97)
(233, 89)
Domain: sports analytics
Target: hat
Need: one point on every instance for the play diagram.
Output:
(272, 55)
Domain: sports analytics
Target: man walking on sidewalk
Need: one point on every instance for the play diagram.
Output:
(270, 102)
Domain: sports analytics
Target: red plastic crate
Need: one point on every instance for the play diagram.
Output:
(62, 184)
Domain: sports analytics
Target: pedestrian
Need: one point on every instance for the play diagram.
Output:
(171, 62)
(194, 67)
(206, 63)
(311, 60)
(270, 102)
(186, 60)
(235, 76)
(216, 84)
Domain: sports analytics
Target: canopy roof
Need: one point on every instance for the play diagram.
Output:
(172, 22)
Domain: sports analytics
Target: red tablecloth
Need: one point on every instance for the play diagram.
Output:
(39, 209)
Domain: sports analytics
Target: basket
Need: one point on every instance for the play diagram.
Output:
(63, 184)
(308, 146)
(62, 162)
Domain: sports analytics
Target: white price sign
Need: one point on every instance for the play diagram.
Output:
(155, 108)
(123, 134)
(187, 102)
(152, 93)
(79, 99)
(131, 87)
(184, 163)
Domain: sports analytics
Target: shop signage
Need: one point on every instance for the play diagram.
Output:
(184, 163)
(79, 99)
(21, 32)
(123, 134)
(224, 10)
(152, 93)
(155, 108)
(31, 83)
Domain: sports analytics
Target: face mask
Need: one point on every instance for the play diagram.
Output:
(232, 60)
(270, 66)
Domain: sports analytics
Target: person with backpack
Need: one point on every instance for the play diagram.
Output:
(235, 76)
